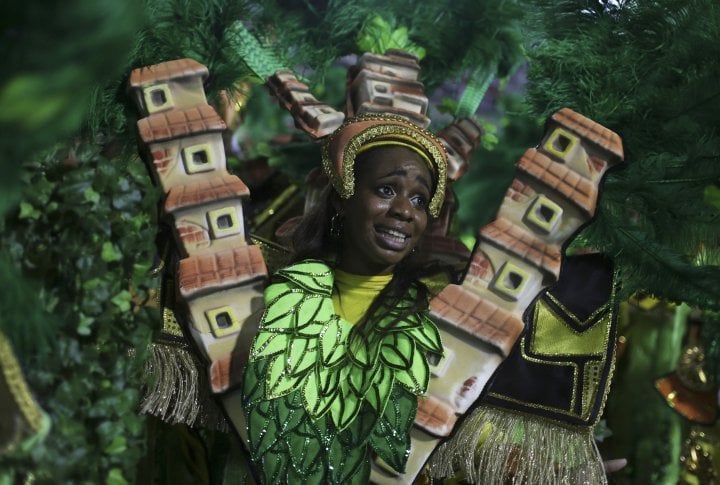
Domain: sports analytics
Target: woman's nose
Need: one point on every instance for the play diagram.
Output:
(401, 208)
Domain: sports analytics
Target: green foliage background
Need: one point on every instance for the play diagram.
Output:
(78, 231)
(649, 71)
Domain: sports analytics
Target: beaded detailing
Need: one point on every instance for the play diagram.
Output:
(319, 396)
(388, 125)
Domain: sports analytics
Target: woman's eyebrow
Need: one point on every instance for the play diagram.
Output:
(403, 172)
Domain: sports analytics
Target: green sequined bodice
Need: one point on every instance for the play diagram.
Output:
(318, 396)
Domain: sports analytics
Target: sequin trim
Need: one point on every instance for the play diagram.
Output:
(17, 385)
(344, 183)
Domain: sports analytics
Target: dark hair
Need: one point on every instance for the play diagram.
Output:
(312, 238)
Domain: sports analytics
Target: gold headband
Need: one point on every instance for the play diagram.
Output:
(399, 142)
(363, 132)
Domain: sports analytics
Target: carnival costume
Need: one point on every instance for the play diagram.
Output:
(319, 395)
(314, 393)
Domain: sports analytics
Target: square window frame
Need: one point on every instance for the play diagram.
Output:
(147, 97)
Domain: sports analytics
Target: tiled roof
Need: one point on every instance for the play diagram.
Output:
(178, 123)
(435, 416)
(460, 307)
(503, 233)
(579, 190)
(587, 128)
(210, 190)
(206, 272)
(167, 70)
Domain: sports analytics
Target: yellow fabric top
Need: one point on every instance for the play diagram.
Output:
(353, 294)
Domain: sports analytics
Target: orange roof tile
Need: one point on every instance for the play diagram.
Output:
(578, 190)
(206, 272)
(179, 123)
(167, 70)
(215, 189)
(456, 305)
(503, 233)
(594, 132)
(435, 416)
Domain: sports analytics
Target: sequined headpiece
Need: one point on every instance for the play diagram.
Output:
(363, 132)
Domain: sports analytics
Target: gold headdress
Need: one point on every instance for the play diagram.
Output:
(363, 132)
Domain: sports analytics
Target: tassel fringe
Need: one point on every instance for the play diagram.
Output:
(494, 446)
(178, 390)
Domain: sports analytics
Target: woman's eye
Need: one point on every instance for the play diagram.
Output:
(419, 201)
(385, 191)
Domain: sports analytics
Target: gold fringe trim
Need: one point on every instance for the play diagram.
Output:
(495, 446)
(31, 418)
(178, 390)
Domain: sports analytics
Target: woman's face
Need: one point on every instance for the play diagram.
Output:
(387, 215)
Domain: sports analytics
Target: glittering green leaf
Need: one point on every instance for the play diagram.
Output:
(279, 382)
(274, 466)
(267, 344)
(397, 321)
(378, 394)
(254, 383)
(312, 313)
(344, 409)
(332, 341)
(417, 376)
(300, 356)
(427, 337)
(328, 380)
(314, 276)
(305, 446)
(316, 403)
(280, 310)
(310, 470)
(290, 412)
(360, 379)
(362, 350)
(353, 466)
(263, 431)
(391, 436)
(397, 351)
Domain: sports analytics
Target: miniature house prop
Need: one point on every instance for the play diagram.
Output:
(220, 276)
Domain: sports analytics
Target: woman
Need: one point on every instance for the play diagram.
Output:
(340, 355)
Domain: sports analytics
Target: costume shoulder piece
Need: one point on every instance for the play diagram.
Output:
(318, 395)
(536, 421)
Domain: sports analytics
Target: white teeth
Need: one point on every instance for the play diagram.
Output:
(393, 233)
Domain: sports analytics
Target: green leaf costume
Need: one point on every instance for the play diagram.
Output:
(318, 396)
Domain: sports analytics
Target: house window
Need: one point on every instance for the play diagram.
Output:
(198, 158)
(224, 222)
(158, 98)
(223, 321)
(510, 281)
(543, 214)
(560, 143)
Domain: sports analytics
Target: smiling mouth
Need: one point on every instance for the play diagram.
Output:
(392, 238)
